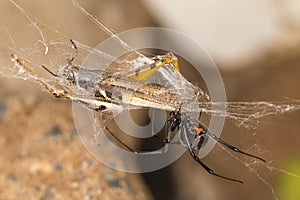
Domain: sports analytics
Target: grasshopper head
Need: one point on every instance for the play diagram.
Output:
(68, 75)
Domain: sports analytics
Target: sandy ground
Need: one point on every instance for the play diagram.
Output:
(43, 158)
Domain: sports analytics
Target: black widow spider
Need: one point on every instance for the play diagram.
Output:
(193, 136)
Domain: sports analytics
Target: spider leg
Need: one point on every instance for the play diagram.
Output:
(197, 159)
(131, 149)
(229, 146)
(224, 143)
(165, 141)
(209, 170)
(120, 141)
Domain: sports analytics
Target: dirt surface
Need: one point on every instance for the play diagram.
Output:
(42, 156)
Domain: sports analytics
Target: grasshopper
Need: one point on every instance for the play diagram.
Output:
(104, 90)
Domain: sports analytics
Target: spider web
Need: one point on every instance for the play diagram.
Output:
(243, 114)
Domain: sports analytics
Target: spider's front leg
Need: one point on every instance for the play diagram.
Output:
(201, 133)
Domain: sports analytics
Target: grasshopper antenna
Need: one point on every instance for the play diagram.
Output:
(69, 60)
(48, 70)
(75, 53)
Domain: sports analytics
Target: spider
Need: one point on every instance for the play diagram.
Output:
(194, 135)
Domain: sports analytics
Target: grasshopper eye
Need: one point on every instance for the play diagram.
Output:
(71, 77)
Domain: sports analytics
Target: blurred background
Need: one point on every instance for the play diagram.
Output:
(255, 45)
